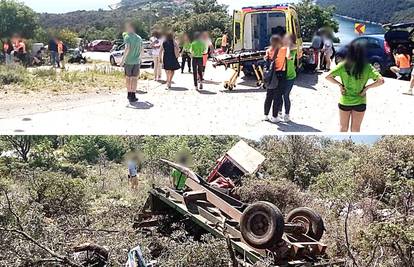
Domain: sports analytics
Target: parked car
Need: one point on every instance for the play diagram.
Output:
(378, 51)
(400, 34)
(100, 46)
(146, 56)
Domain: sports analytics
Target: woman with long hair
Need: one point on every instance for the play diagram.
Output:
(169, 54)
(276, 57)
(354, 73)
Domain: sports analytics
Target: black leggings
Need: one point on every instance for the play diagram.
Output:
(275, 97)
(186, 59)
(197, 69)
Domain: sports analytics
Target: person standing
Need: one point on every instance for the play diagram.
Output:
(354, 72)
(207, 51)
(131, 60)
(289, 41)
(53, 49)
(156, 43)
(317, 44)
(198, 47)
(186, 53)
(225, 43)
(169, 56)
(133, 168)
(410, 91)
(61, 48)
(7, 51)
(328, 52)
(276, 57)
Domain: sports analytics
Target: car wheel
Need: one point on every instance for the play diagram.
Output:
(310, 220)
(262, 225)
(113, 63)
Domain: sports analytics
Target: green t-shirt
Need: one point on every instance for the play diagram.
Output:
(179, 179)
(134, 42)
(353, 85)
(291, 67)
(187, 47)
(197, 48)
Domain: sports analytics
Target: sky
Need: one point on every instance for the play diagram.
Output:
(51, 6)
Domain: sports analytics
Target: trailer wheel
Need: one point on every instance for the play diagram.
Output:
(312, 221)
(262, 225)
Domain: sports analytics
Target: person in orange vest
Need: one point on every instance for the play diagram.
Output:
(61, 51)
(7, 52)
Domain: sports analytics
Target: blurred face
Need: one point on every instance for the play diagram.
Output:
(275, 43)
(287, 41)
(129, 28)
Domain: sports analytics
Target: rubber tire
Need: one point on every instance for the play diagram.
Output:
(112, 60)
(275, 230)
(317, 227)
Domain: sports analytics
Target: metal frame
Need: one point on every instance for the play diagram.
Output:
(220, 214)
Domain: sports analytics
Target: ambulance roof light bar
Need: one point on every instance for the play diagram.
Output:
(266, 7)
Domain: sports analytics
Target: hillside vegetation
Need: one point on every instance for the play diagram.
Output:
(382, 11)
(59, 192)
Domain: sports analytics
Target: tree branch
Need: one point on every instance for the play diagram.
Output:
(61, 258)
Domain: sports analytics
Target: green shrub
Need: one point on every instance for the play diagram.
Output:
(12, 75)
(89, 148)
(59, 195)
(283, 193)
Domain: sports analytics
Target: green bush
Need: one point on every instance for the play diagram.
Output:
(12, 75)
(59, 195)
(89, 148)
(283, 193)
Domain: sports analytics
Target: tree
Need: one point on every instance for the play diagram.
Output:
(20, 144)
(314, 17)
(17, 18)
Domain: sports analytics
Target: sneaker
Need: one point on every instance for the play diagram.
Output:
(280, 114)
(201, 86)
(410, 92)
(287, 118)
(399, 76)
(266, 118)
(133, 99)
(275, 120)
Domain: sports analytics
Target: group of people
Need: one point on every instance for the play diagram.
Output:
(14, 49)
(166, 50)
(57, 51)
(323, 47)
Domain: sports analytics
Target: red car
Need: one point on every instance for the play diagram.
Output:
(100, 46)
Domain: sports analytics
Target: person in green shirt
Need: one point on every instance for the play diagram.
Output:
(131, 60)
(354, 72)
(197, 50)
(290, 42)
(186, 53)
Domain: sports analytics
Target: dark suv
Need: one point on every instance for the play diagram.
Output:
(378, 51)
(380, 48)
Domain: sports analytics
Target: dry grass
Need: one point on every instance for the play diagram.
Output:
(90, 78)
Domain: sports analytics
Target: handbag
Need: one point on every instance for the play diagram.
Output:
(270, 70)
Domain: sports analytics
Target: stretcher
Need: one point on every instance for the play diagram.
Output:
(239, 61)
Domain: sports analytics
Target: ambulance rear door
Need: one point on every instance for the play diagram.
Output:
(237, 30)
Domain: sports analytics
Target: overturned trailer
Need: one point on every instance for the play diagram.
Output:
(255, 233)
